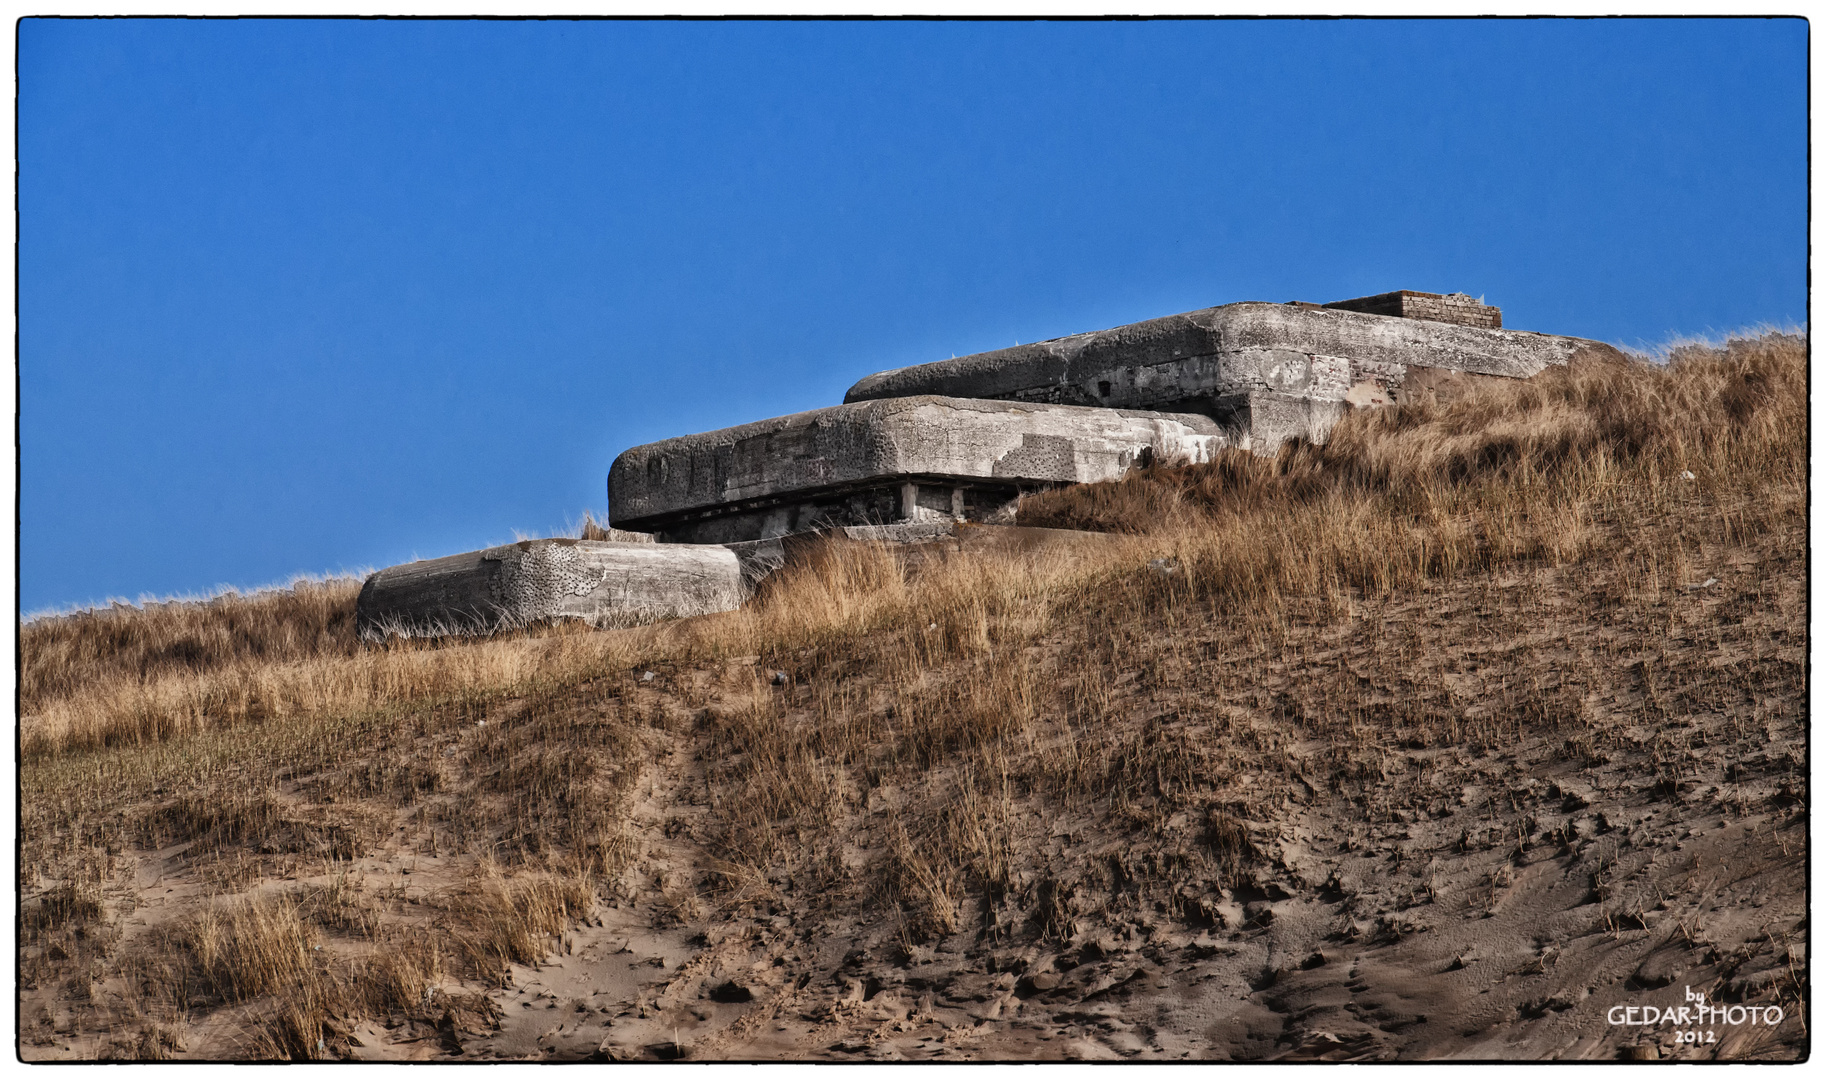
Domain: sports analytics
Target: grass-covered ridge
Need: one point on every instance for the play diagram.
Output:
(1255, 627)
(1543, 470)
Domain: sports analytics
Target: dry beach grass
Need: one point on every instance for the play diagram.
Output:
(1324, 724)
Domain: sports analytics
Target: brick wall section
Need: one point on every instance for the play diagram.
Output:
(1454, 308)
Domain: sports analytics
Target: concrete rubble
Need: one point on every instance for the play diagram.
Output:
(916, 452)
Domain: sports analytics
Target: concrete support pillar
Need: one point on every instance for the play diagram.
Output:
(909, 501)
(957, 503)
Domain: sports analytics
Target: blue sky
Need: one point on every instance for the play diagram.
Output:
(321, 295)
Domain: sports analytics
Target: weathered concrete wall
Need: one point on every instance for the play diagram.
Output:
(1262, 371)
(919, 458)
(605, 583)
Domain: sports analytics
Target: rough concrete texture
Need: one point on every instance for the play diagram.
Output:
(605, 583)
(908, 459)
(1263, 371)
(1407, 304)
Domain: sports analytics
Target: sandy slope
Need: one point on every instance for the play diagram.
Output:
(1497, 907)
(1639, 835)
(1478, 902)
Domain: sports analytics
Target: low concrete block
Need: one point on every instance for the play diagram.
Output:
(904, 460)
(605, 583)
(1452, 307)
(1244, 365)
(759, 558)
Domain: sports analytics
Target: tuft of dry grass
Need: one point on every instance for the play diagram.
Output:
(248, 948)
(150, 1042)
(518, 917)
(591, 529)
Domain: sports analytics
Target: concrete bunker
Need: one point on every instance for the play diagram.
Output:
(1263, 372)
(605, 583)
(915, 453)
(915, 459)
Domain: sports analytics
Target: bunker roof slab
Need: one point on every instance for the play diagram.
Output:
(918, 438)
(1233, 349)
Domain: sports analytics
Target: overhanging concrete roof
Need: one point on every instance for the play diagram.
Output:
(904, 438)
